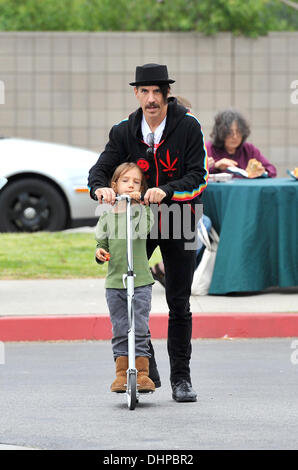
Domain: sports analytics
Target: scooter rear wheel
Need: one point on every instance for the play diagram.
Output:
(131, 390)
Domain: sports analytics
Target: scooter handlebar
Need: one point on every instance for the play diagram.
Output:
(124, 197)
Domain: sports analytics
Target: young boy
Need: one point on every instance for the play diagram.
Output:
(111, 245)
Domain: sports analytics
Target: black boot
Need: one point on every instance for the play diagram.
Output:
(183, 391)
(153, 372)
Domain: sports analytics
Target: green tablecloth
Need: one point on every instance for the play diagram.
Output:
(257, 221)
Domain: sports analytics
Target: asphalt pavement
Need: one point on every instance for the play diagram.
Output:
(55, 396)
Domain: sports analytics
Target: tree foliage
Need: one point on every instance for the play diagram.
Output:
(250, 17)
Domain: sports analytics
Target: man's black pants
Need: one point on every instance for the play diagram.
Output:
(179, 266)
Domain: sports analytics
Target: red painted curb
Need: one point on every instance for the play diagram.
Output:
(205, 325)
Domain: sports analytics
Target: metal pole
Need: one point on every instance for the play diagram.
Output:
(130, 287)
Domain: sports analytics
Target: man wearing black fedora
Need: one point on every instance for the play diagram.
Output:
(166, 142)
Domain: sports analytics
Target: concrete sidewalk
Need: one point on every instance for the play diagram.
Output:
(76, 309)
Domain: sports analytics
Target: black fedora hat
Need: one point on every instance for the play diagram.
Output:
(151, 74)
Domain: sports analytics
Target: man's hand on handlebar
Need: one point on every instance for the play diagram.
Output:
(154, 196)
(107, 193)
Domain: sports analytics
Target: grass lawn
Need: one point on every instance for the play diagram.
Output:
(51, 255)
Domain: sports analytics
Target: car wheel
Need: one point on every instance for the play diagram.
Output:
(31, 205)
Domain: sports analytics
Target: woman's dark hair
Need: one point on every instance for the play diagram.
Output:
(222, 127)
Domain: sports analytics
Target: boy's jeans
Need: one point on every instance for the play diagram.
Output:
(117, 303)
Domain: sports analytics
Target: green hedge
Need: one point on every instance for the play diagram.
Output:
(249, 17)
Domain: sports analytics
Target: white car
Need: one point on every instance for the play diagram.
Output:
(3, 181)
(46, 186)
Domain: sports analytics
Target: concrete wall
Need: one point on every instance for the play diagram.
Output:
(72, 87)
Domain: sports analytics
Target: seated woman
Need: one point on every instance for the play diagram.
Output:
(230, 149)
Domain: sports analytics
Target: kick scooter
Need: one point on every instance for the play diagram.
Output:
(132, 391)
(128, 282)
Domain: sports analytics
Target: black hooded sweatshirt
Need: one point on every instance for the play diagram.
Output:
(178, 166)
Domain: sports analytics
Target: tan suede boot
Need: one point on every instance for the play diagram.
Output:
(145, 384)
(119, 384)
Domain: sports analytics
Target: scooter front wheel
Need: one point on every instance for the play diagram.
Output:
(131, 389)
